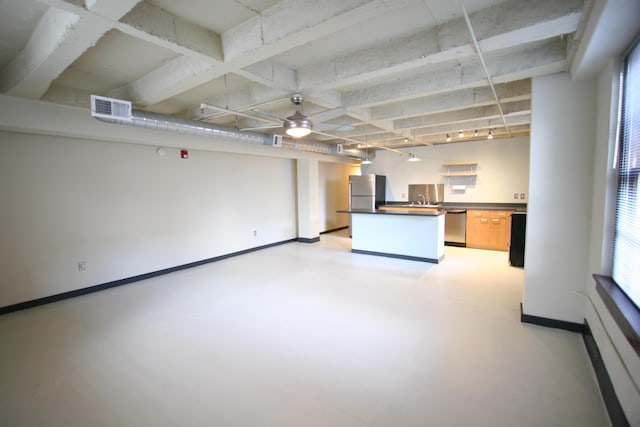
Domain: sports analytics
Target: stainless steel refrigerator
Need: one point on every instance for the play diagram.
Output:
(366, 192)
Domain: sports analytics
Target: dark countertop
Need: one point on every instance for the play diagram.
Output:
(394, 212)
(516, 207)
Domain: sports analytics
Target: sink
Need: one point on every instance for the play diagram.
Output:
(413, 205)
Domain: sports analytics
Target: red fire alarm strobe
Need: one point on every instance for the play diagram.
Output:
(184, 154)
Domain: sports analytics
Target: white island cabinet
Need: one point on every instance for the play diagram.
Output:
(408, 235)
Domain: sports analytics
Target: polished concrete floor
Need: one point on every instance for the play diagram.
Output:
(299, 335)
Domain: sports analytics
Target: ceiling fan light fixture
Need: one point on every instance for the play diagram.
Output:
(298, 126)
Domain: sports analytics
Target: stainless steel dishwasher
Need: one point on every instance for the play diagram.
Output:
(455, 227)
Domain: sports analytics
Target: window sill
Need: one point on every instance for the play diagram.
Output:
(623, 310)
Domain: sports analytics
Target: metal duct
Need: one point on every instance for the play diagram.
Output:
(177, 125)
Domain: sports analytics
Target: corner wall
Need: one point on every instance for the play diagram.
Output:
(334, 194)
(560, 188)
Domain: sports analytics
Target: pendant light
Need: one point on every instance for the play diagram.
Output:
(412, 156)
(366, 161)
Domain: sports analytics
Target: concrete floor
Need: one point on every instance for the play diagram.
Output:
(299, 335)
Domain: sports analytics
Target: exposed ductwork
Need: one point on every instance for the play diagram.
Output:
(120, 112)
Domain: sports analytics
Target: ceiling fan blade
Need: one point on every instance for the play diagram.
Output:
(262, 127)
(325, 115)
(267, 114)
(227, 111)
(333, 127)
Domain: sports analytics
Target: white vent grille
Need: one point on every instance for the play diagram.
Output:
(277, 141)
(109, 108)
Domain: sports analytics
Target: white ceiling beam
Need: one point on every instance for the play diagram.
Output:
(59, 39)
(157, 26)
(474, 97)
(493, 122)
(286, 25)
(461, 116)
(291, 23)
(542, 59)
(270, 74)
(499, 27)
(174, 77)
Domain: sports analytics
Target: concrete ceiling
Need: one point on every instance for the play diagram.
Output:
(408, 72)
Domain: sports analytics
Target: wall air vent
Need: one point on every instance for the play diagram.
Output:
(277, 141)
(109, 108)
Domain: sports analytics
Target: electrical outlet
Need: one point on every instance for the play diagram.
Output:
(82, 266)
(521, 196)
(515, 195)
(403, 195)
(255, 233)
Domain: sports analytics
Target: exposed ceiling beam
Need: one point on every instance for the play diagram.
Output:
(276, 30)
(61, 36)
(451, 101)
(541, 59)
(499, 27)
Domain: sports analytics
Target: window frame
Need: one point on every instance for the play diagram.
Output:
(622, 308)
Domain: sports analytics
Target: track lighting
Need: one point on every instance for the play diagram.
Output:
(448, 138)
(460, 134)
(475, 132)
(490, 136)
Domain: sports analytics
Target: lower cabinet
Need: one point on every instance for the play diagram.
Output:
(488, 229)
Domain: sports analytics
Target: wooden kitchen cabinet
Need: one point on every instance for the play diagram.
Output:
(488, 229)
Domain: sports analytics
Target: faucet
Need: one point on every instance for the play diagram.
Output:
(424, 201)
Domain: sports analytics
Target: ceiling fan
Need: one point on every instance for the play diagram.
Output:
(299, 125)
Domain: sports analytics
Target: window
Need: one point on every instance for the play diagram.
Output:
(626, 252)
(621, 292)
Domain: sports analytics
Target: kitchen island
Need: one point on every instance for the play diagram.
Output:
(415, 234)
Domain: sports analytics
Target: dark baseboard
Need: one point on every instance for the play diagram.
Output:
(308, 240)
(614, 409)
(457, 244)
(410, 258)
(103, 286)
(550, 323)
(333, 230)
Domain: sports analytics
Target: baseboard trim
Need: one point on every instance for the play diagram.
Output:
(550, 323)
(309, 240)
(407, 257)
(333, 230)
(457, 244)
(103, 286)
(614, 409)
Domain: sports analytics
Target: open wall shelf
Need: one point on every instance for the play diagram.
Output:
(459, 175)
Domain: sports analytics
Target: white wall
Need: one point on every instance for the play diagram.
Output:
(502, 170)
(560, 187)
(622, 362)
(334, 194)
(125, 211)
(71, 191)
